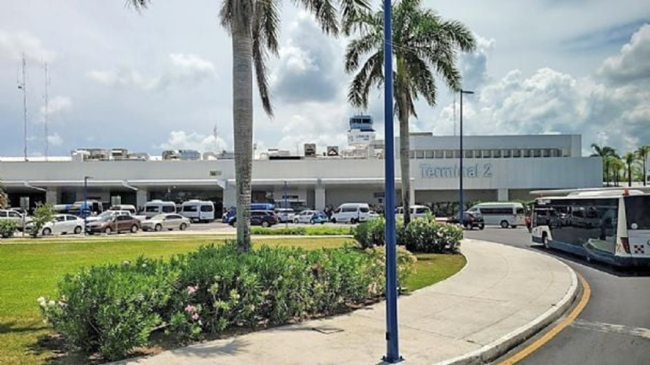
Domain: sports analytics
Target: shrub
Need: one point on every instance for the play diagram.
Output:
(111, 308)
(371, 233)
(304, 231)
(42, 214)
(114, 308)
(421, 235)
(7, 228)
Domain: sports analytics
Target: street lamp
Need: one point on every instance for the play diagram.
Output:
(460, 198)
(392, 337)
(84, 206)
(286, 207)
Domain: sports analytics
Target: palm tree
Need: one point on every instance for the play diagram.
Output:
(616, 166)
(643, 152)
(604, 152)
(253, 26)
(424, 44)
(3, 197)
(630, 159)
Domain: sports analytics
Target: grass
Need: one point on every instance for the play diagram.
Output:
(31, 268)
(304, 231)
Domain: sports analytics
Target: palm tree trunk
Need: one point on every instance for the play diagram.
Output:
(242, 82)
(629, 176)
(645, 172)
(404, 142)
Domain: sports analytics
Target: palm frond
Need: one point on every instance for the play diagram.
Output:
(138, 4)
(360, 47)
(264, 34)
(351, 12)
(371, 73)
(325, 13)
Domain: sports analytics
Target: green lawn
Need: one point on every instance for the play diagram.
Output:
(31, 268)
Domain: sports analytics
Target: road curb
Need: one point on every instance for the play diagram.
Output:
(504, 344)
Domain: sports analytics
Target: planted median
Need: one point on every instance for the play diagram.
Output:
(114, 308)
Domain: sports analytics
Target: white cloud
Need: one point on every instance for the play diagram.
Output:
(203, 143)
(183, 70)
(14, 44)
(632, 63)
(55, 139)
(58, 104)
(473, 66)
(550, 102)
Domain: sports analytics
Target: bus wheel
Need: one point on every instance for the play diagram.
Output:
(481, 227)
(545, 240)
(504, 224)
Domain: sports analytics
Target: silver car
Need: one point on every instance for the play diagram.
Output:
(166, 222)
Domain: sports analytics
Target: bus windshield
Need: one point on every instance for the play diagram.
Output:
(637, 211)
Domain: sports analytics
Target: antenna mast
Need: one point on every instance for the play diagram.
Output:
(47, 112)
(23, 87)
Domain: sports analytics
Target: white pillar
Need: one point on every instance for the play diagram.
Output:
(229, 196)
(141, 197)
(412, 194)
(502, 195)
(319, 198)
(51, 196)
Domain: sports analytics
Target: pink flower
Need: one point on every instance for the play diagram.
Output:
(195, 316)
(190, 309)
(192, 289)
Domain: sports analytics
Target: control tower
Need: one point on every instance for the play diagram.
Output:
(361, 135)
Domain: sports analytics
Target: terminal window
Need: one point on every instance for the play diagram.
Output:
(477, 154)
(496, 153)
(506, 153)
(537, 153)
(440, 153)
(419, 154)
(487, 153)
(547, 153)
(449, 154)
(516, 153)
(527, 153)
(429, 154)
(469, 154)
(456, 153)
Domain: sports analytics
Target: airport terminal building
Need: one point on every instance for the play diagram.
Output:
(495, 168)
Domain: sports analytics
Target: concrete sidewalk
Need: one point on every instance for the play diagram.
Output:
(501, 296)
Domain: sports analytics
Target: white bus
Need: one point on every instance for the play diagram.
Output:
(198, 210)
(611, 226)
(503, 214)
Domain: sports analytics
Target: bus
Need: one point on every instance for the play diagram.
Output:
(504, 214)
(610, 226)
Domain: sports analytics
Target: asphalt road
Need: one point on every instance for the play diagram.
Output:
(614, 327)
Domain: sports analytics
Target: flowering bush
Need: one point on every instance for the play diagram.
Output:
(421, 235)
(7, 228)
(114, 308)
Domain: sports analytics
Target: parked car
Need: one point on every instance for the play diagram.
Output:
(156, 207)
(470, 220)
(116, 223)
(128, 207)
(166, 222)
(264, 218)
(108, 213)
(351, 213)
(13, 215)
(285, 214)
(60, 224)
(198, 210)
(310, 216)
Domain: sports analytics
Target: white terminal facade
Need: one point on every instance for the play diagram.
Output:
(496, 168)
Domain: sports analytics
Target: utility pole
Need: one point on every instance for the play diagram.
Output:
(23, 87)
(47, 112)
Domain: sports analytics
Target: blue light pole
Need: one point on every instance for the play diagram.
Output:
(286, 207)
(392, 338)
(84, 206)
(460, 203)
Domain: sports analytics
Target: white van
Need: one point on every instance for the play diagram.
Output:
(128, 207)
(198, 210)
(417, 211)
(351, 213)
(156, 207)
(504, 214)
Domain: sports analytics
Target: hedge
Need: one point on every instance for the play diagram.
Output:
(112, 309)
(304, 231)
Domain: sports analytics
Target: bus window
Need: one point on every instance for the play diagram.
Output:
(637, 212)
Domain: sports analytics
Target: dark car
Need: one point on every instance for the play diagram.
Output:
(115, 223)
(470, 220)
(264, 218)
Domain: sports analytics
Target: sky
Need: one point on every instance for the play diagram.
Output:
(161, 79)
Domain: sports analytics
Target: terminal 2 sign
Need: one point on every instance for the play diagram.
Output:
(472, 171)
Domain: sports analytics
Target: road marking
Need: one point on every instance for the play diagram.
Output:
(555, 330)
(612, 328)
